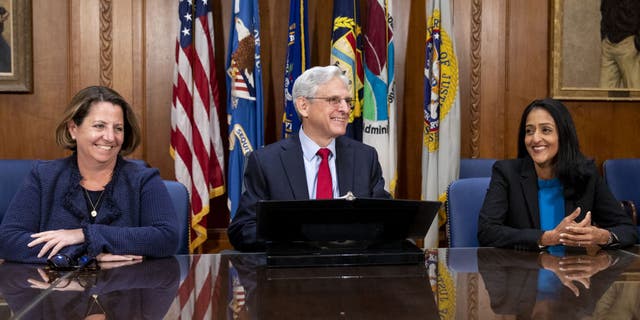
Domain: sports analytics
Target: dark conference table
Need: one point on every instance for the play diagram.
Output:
(461, 283)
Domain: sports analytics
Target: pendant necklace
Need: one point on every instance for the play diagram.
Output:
(94, 212)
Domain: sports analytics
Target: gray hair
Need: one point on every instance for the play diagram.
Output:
(307, 83)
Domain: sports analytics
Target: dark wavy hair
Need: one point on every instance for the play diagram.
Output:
(570, 165)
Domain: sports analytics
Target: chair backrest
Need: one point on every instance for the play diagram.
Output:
(464, 201)
(12, 174)
(474, 168)
(623, 177)
(180, 199)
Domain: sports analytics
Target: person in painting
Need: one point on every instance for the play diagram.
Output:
(93, 203)
(5, 49)
(620, 35)
(551, 194)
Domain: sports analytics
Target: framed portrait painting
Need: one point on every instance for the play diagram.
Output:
(592, 56)
(16, 56)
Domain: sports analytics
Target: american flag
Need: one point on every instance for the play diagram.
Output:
(196, 145)
(200, 290)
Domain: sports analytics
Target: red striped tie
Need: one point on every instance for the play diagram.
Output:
(324, 188)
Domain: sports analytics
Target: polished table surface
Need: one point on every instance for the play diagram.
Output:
(464, 283)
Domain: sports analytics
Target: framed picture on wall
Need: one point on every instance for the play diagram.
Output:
(16, 56)
(588, 51)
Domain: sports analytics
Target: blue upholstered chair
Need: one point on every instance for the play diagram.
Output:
(12, 174)
(180, 199)
(474, 168)
(464, 201)
(623, 178)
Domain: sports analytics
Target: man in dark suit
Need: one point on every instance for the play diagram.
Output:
(289, 169)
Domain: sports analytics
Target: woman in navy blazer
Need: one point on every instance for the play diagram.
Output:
(93, 203)
(587, 214)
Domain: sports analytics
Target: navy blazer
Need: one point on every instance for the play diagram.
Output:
(136, 215)
(510, 214)
(276, 172)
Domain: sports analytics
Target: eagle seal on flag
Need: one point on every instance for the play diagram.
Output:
(242, 65)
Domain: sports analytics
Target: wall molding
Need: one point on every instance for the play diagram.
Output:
(476, 63)
(106, 43)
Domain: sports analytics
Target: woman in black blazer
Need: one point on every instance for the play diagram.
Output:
(551, 194)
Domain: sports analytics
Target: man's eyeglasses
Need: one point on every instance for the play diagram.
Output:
(335, 101)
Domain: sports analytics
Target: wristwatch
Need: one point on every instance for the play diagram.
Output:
(612, 239)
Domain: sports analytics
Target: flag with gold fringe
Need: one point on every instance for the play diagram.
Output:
(346, 53)
(441, 131)
(379, 111)
(196, 145)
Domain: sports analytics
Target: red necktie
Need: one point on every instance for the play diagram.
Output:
(324, 188)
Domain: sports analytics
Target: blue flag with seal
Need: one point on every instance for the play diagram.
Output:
(297, 62)
(346, 54)
(245, 105)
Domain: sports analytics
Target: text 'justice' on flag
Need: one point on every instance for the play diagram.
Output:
(441, 134)
(196, 145)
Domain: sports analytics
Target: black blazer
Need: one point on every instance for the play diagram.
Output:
(276, 172)
(510, 215)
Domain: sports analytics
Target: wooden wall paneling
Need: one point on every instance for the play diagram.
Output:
(84, 55)
(619, 133)
(267, 43)
(320, 20)
(492, 78)
(160, 31)
(128, 48)
(527, 64)
(411, 119)
(606, 129)
(106, 43)
(401, 10)
(138, 84)
(463, 37)
(29, 119)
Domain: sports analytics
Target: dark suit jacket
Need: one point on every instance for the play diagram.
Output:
(510, 215)
(276, 172)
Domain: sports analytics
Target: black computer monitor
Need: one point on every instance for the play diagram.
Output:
(344, 231)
